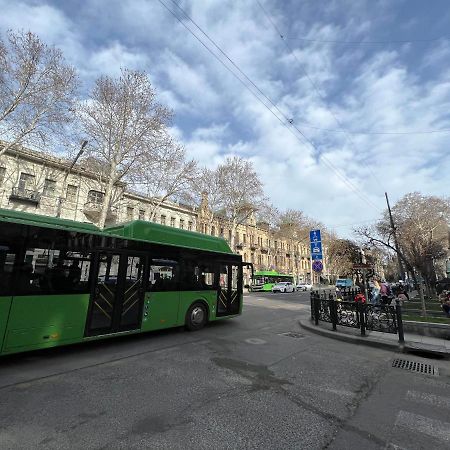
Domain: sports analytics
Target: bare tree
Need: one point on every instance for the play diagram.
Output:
(422, 231)
(241, 192)
(125, 127)
(232, 191)
(165, 174)
(206, 192)
(37, 89)
(268, 215)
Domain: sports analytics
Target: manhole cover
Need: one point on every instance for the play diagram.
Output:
(414, 366)
(292, 334)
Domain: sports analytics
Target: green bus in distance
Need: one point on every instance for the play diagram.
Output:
(264, 280)
(64, 282)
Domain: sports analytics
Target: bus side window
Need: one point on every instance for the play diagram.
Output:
(206, 277)
(48, 271)
(7, 259)
(164, 275)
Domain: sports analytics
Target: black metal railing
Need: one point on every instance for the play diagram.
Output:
(343, 310)
(18, 193)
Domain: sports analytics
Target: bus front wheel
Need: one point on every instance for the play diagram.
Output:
(196, 317)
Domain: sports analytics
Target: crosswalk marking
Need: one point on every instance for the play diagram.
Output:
(429, 399)
(431, 427)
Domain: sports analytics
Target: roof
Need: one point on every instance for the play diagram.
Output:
(162, 234)
(24, 218)
(139, 230)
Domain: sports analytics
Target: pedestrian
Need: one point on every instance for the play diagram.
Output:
(384, 293)
(375, 294)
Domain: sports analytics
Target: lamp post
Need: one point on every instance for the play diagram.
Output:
(80, 152)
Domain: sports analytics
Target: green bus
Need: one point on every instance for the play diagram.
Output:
(65, 282)
(264, 280)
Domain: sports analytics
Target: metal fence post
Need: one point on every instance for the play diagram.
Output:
(316, 308)
(333, 311)
(398, 312)
(362, 319)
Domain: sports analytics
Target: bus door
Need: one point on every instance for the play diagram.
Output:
(230, 288)
(118, 293)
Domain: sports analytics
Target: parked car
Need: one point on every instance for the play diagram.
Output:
(304, 287)
(344, 283)
(283, 286)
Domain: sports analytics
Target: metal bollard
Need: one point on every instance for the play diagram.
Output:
(398, 313)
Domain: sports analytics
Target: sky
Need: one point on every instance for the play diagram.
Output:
(339, 100)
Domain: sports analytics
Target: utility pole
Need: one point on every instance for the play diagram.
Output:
(399, 260)
(60, 200)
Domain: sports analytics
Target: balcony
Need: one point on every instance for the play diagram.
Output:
(92, 211)
(25, 195)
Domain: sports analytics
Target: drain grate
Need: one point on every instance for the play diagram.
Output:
(292, 334)
(414, 366)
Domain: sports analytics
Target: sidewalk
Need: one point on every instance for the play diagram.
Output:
(413, 342)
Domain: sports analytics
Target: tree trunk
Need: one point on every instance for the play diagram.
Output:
(421, 296)
(106, 202)
(233, 235)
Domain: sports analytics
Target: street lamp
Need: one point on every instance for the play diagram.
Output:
(80, 152)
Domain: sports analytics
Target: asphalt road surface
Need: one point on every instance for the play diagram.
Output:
(257, 381)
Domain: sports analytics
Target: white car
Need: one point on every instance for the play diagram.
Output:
(283, 286)
(304, 287)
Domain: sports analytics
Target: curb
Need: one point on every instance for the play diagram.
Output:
(360, 340)
(307, 325)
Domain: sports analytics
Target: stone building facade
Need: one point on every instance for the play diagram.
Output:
(41, 183)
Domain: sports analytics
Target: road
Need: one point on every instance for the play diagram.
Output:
(257, 381)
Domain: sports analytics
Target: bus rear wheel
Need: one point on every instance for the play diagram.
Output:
(196, 317)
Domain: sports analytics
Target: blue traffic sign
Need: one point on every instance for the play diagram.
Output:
(317, 266)
(316, 249)
(314, 236)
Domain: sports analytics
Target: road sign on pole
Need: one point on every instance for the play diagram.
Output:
(317, 266)
(314, 236)
(316, 250)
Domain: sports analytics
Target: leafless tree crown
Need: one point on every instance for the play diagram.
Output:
(37, 89)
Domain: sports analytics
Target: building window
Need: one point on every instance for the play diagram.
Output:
(49, 187)
(190, 226)
(163, 219)
(2, 174)
(182, 224)
(96, 197)
(141, 214)
(130, 213)
(229, 236)
(71, 193)
(213, 231)
(172, 221)
(244, 238)
(26, 181)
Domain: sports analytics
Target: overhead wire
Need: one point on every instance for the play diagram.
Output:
(317, 90)
(381, 42)
(372, 133)
(347, 182)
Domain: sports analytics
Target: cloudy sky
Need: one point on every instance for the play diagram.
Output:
(351, 97)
